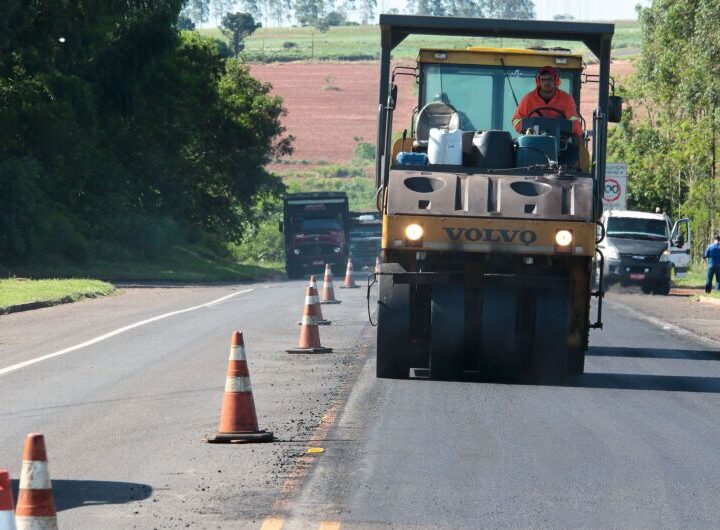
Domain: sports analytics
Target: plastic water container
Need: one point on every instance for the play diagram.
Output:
(405, 158)
(445, 147)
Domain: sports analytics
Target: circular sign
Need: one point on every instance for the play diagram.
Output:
(612, 190)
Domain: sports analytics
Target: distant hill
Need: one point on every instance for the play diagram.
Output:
(362, 43)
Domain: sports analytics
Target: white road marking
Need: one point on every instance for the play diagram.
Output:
(25, 364)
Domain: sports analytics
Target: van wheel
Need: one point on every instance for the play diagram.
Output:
(662, 289)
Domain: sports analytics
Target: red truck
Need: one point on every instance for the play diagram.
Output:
(316, 227)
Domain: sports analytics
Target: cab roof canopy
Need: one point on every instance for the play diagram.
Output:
(395, 28)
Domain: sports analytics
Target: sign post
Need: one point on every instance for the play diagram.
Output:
(615, 193)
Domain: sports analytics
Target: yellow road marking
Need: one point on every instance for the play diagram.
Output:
(329, 525)
(272, 523)
(315, 450)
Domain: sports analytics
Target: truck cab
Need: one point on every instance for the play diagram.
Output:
(639, 247)
(315, 226)
(365, 236)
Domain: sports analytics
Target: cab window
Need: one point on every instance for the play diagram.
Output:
(481, 94)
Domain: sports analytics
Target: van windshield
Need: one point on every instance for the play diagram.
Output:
(634, 228)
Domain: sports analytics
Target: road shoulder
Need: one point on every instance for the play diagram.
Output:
(683, 309)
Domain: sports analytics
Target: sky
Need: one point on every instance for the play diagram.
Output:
(588, 10)
(579, 9)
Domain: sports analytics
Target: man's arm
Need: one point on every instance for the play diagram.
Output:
(520, 113)
(572, 114)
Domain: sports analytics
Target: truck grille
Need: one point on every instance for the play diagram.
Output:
(316, 250)
(640, 258)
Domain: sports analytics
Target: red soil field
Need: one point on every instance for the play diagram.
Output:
(329, 104)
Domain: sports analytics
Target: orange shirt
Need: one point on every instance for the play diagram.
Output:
(561, 101)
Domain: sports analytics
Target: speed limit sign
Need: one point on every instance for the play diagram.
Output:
(614, 197)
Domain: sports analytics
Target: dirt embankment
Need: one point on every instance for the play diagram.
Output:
(331, 104)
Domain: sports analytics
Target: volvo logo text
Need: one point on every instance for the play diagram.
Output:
(492, 235)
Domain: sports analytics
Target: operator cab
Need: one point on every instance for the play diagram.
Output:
(466, 103)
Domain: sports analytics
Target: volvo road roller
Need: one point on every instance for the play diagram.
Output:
(489, 235)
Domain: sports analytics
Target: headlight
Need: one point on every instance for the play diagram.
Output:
(563, 238)
(337, 250)
(296, 251)
(665, 256)
(413, 232)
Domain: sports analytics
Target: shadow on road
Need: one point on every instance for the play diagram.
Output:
(672, 383)
(654, 353)
(77, 493)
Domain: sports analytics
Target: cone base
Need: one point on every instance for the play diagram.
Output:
(239, 437)
(331, 302)
(310, 350)
(349, 287)
(320, 323)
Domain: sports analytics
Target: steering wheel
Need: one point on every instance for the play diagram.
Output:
(538, 109)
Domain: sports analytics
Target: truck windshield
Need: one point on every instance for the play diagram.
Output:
(319, 225)
(482, 94)
(631, 227)
(367, 230)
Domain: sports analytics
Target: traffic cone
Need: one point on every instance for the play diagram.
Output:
(377, 264)
(309, 334)
(349, 282)
(318, 310)
(35, 506)
(238, 421)
(7, 515)
(328, 292)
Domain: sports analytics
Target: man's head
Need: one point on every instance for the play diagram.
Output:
(547, 80)
(717, 238)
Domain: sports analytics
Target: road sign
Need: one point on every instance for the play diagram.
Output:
(614, 196)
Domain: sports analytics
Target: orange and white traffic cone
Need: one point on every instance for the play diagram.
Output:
(238, 421)
(7, 513)
(377, 264)
(349, 282)
(309, 333)
(328, 291)
(35, 506)
(318, 310)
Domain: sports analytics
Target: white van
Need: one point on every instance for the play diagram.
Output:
(643, 249)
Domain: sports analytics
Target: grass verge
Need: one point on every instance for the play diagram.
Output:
(18, 291)
(694, 279)
(180, 263)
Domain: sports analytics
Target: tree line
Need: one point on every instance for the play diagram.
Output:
(120, 134)
(669, 133)
(323, 13)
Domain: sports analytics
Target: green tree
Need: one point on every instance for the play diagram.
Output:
(335, 18)
(519, 9)
(237, 26)
(197, 10)
(221, 7)
(185, 23)
(119, 132)
(308, 12)
(463, 8)
(367, 10)
(671, 146)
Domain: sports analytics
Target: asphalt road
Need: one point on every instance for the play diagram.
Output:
(634, 443)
